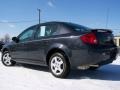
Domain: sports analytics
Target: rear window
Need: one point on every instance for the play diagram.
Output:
(79, 28)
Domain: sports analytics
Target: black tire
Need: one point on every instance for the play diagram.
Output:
(94, 68)
(11, 62)
(65, 66)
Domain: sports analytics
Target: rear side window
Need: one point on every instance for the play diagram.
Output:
(47, 30)
(63, 29)
(78, 28)
(51, 30)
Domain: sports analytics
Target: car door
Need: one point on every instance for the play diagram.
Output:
(20, 50)
(36, 49)
(41, 42)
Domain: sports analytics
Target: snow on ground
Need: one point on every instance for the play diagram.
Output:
(27, 77)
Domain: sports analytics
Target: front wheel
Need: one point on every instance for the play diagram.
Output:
(6, 59)
(59, 65)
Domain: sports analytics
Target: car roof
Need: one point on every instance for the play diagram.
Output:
(57, 22)
(69, 24)
(50, 22)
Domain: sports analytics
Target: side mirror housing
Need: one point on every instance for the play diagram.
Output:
(15, 39)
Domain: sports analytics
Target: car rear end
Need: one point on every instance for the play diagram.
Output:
(101, 44)
(106, 45)
(92, 47)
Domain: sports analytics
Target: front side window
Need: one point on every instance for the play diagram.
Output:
(47, 30)
(26, 36)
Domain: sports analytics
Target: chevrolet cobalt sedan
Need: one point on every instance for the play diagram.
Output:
(61, 46)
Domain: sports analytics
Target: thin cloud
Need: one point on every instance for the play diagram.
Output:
(4, 21)
(50, 3)
(7, 23)
(11, 25)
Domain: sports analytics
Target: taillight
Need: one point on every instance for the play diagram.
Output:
(89, 38)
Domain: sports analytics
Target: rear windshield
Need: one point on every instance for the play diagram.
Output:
(79, 28)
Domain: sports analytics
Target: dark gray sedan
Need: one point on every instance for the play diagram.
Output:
(61, 46)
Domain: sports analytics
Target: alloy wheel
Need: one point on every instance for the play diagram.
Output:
(57, 65)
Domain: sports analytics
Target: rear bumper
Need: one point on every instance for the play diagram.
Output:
(93, 56)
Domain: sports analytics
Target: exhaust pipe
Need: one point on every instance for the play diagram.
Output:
(94, 65)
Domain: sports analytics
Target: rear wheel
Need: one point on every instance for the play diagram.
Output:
(59, 66)
(6, 59)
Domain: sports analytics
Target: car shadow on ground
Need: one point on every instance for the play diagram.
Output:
(34, 67)
(109, 72)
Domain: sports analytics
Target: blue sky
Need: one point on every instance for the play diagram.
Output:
(91, 13)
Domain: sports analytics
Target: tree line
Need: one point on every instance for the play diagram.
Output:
(6, 38)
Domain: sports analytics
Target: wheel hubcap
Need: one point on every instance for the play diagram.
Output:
(7, 59)
(57, 66)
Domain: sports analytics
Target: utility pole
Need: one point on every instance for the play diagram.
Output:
(39, 14)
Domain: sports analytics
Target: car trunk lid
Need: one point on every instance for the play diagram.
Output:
(104, 36)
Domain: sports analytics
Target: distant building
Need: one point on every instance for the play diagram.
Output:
(117, 40)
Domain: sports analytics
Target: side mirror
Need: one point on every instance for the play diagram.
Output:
(15, 39)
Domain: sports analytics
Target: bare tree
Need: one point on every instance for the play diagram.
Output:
(7, 38)
(2, 39)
